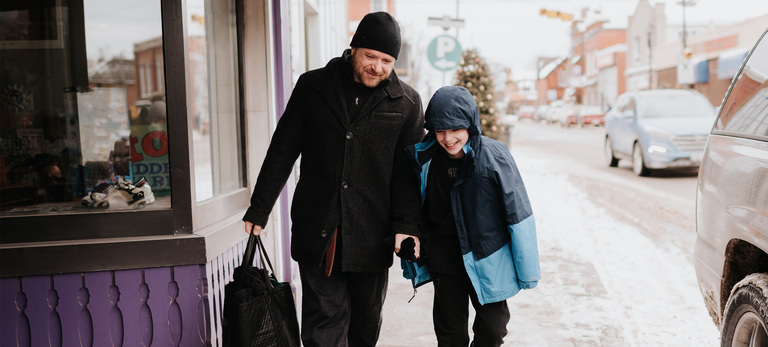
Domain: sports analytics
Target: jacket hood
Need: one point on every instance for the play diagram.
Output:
(453, 107)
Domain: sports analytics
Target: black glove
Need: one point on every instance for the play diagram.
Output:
(407, 249)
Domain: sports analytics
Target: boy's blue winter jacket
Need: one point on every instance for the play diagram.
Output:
(493, 216)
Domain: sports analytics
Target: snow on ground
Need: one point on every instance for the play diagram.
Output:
(603, 282)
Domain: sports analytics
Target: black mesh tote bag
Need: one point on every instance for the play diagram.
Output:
(258, 309)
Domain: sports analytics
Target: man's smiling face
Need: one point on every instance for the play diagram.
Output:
(370, 66)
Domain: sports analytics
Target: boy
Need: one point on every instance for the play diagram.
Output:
(478, 238)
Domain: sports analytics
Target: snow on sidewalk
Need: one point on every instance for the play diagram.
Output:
(603, 283)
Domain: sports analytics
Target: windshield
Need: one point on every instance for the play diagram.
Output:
(674, 105)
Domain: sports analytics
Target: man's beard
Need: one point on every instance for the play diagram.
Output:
(362, 75)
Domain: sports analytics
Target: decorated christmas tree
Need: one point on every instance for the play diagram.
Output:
(474, 75)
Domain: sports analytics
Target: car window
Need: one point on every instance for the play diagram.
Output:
(675, 105)
(745, 112)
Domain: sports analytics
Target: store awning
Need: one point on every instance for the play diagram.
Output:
(702, 71)
(729, 62)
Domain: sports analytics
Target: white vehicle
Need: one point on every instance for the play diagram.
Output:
(731, 251)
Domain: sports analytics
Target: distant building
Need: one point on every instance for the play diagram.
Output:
(520, 90)
(549, 81)
(604, 58)
(646, 30)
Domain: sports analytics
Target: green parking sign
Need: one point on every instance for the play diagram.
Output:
(444, 52)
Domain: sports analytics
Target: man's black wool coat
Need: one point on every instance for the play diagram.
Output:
(353, 174)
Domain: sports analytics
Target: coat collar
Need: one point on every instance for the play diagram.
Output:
(422, 153)
(330, 84)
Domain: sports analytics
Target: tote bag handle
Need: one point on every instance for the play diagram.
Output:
(250, 252)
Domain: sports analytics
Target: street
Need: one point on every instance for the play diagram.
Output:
(615, 249)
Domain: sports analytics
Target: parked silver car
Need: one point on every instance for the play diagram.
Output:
(731, 251)
(658, 129)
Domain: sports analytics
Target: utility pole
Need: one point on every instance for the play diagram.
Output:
(446, 22)
(684, 67)
(685, 31)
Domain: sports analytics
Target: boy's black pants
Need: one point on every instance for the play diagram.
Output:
(450, 314)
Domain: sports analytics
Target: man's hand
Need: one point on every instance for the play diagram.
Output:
(252, 227)
(399, 238)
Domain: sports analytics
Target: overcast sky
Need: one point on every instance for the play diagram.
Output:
(512, 33)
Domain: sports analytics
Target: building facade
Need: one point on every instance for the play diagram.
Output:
(603, 66)
(646, 29)
(714, 58)
(121, 200)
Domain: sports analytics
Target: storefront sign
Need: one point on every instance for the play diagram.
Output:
(720, 44)
(149, 157)
(685, 72)
(605, 60)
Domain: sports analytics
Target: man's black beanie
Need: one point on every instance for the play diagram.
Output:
(379, 31)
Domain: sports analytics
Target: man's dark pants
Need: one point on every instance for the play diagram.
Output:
(451, 313)
(343, 309)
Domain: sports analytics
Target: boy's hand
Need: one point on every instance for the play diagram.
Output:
(252, 227)
(407, 247)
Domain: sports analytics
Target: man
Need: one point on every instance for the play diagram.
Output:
(350, 122)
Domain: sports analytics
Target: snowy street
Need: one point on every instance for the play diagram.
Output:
(616, 254)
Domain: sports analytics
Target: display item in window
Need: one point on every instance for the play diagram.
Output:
(123, 193)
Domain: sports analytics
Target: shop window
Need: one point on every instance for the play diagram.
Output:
(83, 130)
(214, 104)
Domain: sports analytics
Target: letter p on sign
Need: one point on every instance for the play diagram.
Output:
(445, 44)
(444, 52)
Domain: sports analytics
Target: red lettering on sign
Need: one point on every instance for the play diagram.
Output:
(148, 143)
(135, 156)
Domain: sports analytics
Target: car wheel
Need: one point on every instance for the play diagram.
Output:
(610, 159)
(745, 318)
(638, 161)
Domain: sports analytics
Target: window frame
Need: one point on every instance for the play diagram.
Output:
(187, 233)
(103, 224)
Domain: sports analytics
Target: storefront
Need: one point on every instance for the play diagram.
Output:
(130, 133)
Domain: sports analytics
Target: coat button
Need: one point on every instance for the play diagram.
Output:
(323, 233)
(349, 135)
(344, 185)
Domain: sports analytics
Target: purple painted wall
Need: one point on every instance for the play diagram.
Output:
(143, 307)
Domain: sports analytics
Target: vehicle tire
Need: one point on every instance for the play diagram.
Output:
(638, 161)
(746, 314)
(610, 159)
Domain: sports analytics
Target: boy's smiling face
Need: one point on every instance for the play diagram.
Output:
(453, 141)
